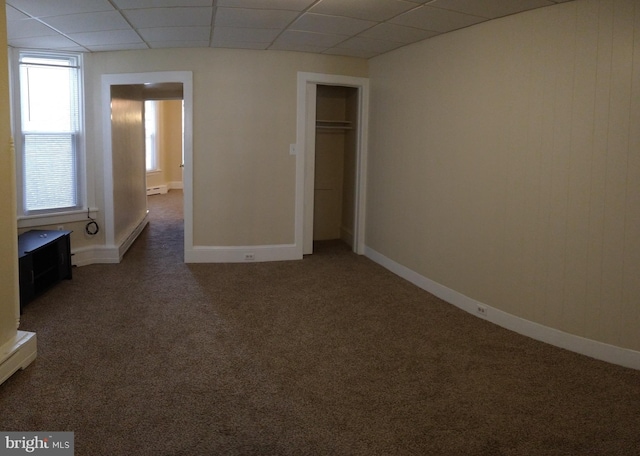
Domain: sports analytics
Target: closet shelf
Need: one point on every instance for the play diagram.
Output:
(334, 124)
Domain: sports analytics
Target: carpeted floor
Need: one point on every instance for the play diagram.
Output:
(331, 355)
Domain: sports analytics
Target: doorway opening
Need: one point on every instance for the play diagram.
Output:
(335, 163)
(332, 157)
(127, 180)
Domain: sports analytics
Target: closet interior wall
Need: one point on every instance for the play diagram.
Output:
(335, 163)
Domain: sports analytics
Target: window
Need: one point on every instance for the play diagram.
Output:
(151, 135)
(50, 124)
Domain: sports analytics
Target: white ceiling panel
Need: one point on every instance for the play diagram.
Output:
(43, 42)
(490, 8)
(15, 15)
(398, 33)
(178, 44)
(291, 5)
(88, 22)
(141, 4)
(175, 34)
(117, 47)
(436, 19)
(297, 47)
(28, 28)
(45, 8)
(337, 25)
(240, 45)
(372, 10)
(242, 17)
(244, 35)
(106, 38)
(323, 40)
(169, 17)
(369, 44)
(361, 54)
(359, 28)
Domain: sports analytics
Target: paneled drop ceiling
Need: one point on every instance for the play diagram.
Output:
(359, 28)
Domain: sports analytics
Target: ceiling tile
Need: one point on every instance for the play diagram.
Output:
(244, 35)
(117, 47)
(178, 44)
(241, 45)
(175, 34)
(336, 25)
(372, 10)
(28, 28)
(106, 37)
(351, 53)
(241, 17)
(297, 47)
(15, 15)
(398, 33)
(490, 8)
(169, 17)
(44, 42)
(369, 44)
(291, 5)
(88, 22)
(436, 19)
(309, 39)
(44, 8)
(140, 4)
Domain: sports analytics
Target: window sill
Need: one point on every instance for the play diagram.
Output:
(55, 218)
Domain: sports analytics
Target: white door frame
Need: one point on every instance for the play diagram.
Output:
(186, 78)
(305, 152)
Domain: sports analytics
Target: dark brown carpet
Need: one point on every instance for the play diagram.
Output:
(331, 355)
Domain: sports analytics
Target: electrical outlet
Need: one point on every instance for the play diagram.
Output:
(482, 310)
(250, 256)
(60, 227)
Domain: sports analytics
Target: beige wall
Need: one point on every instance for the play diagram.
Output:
(127, 137)
(9, 294)
(169, 144)
(504, 164)
(244, 120)
(171, 140)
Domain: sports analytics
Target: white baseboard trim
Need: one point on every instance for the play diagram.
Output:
(105, 254)
(242, 254)
(85, 256)
(588, 347)
(157, 190)
(175, 185)
(17, 354)
(128, 242)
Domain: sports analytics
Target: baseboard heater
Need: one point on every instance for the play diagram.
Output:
(157, 190)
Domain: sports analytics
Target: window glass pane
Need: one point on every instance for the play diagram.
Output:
(47, 101)
(49, 94)
(150, 131)
(50, 170)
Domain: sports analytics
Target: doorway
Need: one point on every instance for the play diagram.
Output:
(344, 100)
(335, 163)
(131, 183)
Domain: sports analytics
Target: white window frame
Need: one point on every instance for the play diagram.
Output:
(59, 215)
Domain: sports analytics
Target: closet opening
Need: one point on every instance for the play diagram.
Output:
(336, 162)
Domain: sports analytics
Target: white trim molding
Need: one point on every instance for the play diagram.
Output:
(599, 350)
(242, 254)
(17, 354)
